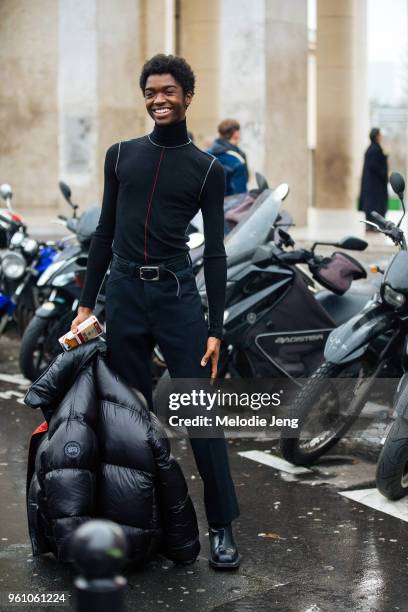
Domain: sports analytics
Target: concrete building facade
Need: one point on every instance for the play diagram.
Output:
(71, 71)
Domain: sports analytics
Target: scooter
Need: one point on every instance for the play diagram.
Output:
(366, 348)
(263, 335)
(392, 466)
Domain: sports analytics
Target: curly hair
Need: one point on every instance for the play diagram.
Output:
(169, 64)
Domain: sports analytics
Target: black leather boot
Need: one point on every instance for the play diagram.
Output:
(223, 550)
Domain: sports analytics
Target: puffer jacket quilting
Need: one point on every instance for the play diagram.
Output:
(104, 455)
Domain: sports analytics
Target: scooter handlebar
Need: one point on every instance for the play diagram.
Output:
(293, 257)
(381, 221)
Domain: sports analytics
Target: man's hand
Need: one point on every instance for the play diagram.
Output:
(213, 352)
(83, 313)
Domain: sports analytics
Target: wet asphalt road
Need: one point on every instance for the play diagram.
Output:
(305, 547)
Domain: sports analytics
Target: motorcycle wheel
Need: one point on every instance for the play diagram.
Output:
(392, 466)
(23, 318)
(39, 344)
(325, 410)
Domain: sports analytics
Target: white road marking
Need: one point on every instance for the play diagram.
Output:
(275, 462)
(373, 499)
(16, 395)
(15, 379)
(368, 497)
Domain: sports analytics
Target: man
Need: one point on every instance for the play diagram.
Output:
(374, 194)
(154, 186)
(233, 159)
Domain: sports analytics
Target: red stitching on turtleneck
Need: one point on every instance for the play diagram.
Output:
(150, 202)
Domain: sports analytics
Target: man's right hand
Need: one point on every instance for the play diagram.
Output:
(83, 313)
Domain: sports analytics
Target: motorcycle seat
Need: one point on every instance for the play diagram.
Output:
(342, 307)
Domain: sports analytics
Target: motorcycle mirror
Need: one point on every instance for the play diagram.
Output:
(65, 190)
(397, 182)
(282, 191)
(352, 243)
(6, 193)
(261, 181)
(195, 240)
(288, 241)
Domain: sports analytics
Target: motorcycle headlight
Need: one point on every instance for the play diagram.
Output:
(16, 239)
(13, 265)
(29, 246)
(393, 298)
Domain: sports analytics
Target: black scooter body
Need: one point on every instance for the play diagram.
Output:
(376, 324)
(352, 339)
(273, 321)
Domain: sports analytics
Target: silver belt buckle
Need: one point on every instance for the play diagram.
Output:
(152, 273)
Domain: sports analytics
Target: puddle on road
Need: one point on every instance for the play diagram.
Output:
(342, 472)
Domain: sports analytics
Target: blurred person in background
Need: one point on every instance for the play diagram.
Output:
(374, 194)
(233, 159)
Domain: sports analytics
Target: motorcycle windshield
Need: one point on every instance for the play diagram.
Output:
(87, 223)
(252, 231)
(396, 276)
(255, 229)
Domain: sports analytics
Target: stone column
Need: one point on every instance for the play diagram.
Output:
(286, 101)
(200, 45)
(28, 103)
(120, 55)
(77, 99)
(100, 56)
(342, 112)
(242, 75)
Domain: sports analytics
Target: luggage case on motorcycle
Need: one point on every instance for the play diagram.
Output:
(288, 339)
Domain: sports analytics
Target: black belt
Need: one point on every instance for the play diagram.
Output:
(152, 272)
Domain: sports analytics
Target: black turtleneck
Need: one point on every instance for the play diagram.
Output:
(153, 187)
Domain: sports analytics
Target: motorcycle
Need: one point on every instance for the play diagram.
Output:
(21, 263)
(263, 335)
(366, 348)
(392, 466)
(63, 281)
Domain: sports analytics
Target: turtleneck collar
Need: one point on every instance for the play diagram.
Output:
(172, 135)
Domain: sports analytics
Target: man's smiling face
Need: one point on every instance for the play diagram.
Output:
(165, 100)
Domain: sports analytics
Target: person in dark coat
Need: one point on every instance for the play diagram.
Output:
(232, 158)
(374, 194)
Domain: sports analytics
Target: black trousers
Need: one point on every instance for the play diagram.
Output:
(139, 314)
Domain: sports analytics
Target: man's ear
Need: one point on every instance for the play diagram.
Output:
(187, 99)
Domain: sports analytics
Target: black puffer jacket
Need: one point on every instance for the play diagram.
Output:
(103, 455)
